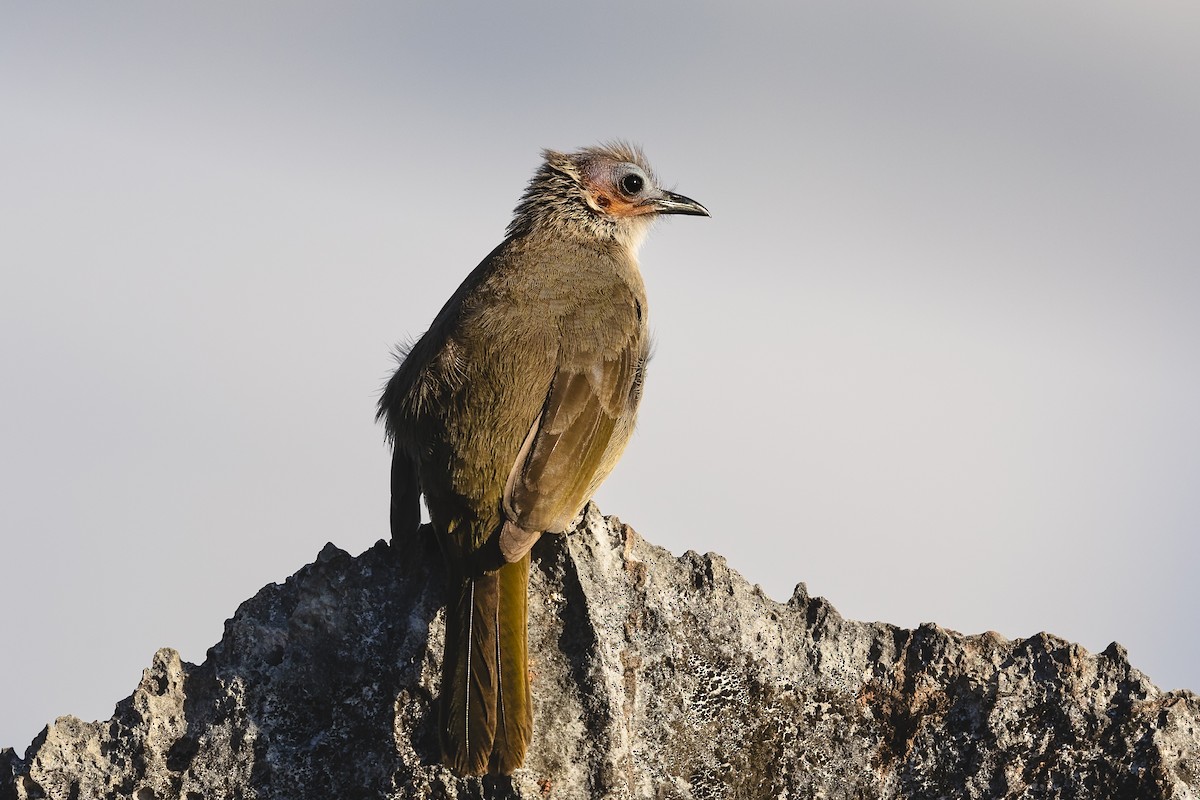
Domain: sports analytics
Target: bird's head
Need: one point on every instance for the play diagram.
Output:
(607, 192)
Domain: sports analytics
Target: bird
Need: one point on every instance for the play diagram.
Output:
(509, 412)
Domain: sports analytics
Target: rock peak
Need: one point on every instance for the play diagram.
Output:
(653, 677)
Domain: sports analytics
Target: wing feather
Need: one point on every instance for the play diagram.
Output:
(583, 428)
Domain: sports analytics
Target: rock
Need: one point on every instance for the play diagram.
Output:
(654, 677)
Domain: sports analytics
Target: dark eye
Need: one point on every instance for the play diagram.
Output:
(632, 183)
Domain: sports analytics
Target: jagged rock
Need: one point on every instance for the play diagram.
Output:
(653, 676)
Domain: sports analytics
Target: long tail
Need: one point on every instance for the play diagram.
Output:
(487, 713)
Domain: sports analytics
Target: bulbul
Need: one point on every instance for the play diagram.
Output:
(510, 411)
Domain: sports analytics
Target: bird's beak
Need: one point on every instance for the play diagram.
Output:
(671, 203)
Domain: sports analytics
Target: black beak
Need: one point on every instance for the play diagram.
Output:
(671, 203)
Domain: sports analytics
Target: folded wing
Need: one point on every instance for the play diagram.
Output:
(584, 426)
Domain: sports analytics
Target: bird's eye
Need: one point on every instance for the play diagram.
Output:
(632, 183)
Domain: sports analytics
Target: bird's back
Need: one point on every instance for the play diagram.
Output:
(467, 393)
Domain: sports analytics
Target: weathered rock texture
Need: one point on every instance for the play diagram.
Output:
(654, 677)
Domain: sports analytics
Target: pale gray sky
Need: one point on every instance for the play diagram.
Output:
(937, 353)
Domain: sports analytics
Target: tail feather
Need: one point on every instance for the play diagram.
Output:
(486, 709)
(515, 718)
(406, 496)
(469, 677)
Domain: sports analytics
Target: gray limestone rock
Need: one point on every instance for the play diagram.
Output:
(653, 676)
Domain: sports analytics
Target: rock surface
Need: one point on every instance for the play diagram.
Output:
(653, 676)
